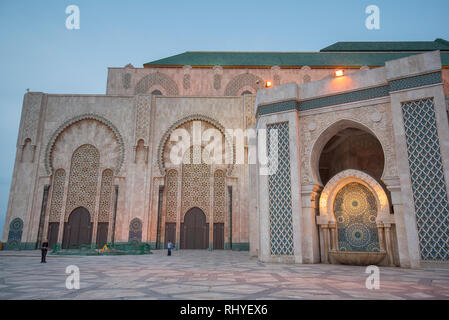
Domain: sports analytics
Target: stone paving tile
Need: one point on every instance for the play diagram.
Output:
(193, 274)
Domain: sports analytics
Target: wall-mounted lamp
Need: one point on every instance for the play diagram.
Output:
(339, 73)
(268, 84)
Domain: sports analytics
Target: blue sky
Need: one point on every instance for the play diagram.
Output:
(38, 52)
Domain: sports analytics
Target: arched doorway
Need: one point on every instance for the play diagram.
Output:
(78, 229)
(195, 230)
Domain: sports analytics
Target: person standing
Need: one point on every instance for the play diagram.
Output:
(44, 250)
(169, 247)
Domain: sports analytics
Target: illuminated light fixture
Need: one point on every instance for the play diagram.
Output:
(339, 73)
(268, 84)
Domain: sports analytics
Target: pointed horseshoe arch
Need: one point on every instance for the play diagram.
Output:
(68, 123)
(215, 123)
(325, 136)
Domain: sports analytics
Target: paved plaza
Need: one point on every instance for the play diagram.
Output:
(193, 274)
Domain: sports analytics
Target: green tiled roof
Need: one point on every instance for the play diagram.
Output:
(438, 44)
(359, 55)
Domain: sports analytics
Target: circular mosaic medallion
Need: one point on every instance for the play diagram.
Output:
(357, 235)
(341, 218)
(136, 225)
(373, 247)
(355, 203)
(16, 224)
(369, 218)
(342, 246)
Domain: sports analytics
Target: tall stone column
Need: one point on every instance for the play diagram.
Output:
(310, 205)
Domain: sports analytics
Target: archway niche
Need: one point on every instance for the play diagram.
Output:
(346, 156)
(351, 148)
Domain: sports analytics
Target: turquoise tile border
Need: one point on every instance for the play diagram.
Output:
(417, 81)
(360, 95)
(277, 107)
(21, 246)
(240, 246)
(354, 96)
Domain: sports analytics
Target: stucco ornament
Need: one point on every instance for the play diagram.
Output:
(330, 123)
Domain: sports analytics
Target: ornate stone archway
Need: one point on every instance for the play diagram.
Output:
(79, 119)
(326, 134)
(157, 80)
(166, 136)
(319, 128)
(247, 80)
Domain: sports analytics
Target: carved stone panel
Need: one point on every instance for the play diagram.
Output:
(106, 196)
(143, 104)
(172, 196)
(83, 180)
(219, 196)
(57, 195)
(376, 119)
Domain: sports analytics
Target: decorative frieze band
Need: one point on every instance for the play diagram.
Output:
(360, 95)
(417, 81)
(354, 96)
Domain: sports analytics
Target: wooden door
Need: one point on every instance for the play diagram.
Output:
(170, 233)
(78, 230)
(52, 235)
(218, 235)
(195, 233)
(102, 234)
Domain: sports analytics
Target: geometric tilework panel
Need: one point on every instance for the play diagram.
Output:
(57, 195)
(355, 210)
(83, 180)
(219, 196)
(427, 178)
(135, 231)
(279, 190)
(172, 196)
(105, 196)
(15, 234)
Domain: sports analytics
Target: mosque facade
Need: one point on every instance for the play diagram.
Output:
(272, 153)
